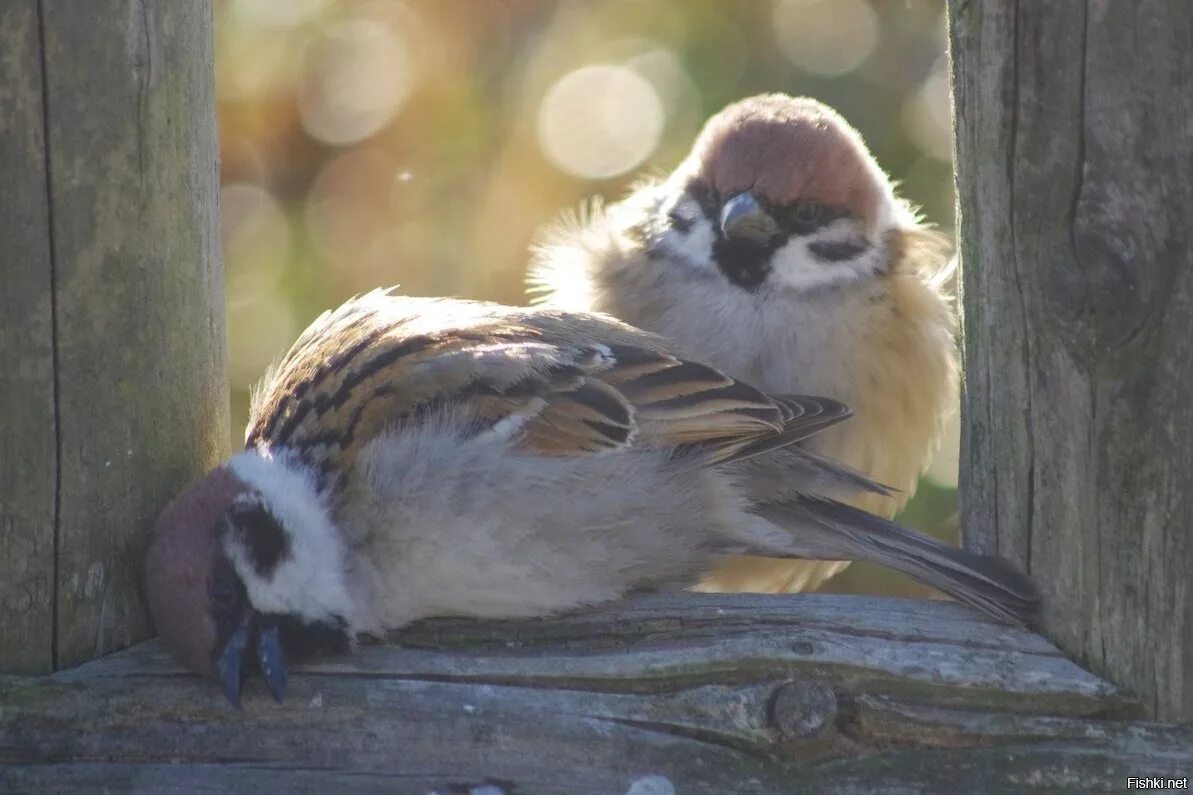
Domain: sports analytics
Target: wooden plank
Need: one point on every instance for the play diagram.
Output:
(27, 437)
(1073, 159)
(934, 650)
(710, 693)
(142, 398)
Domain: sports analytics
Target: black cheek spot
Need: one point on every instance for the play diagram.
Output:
(262, 535)
(836, 252)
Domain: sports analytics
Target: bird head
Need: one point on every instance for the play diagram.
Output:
(247, 557)
(780, 192)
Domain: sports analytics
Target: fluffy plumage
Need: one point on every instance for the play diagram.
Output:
(419, 457)
(779, 253)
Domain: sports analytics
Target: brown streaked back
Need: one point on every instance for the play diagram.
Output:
(565, 383)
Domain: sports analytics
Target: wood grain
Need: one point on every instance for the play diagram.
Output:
(28, 453)
(1074, 150)
(116, 357)
(712, 693)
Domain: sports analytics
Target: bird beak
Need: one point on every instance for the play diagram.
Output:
(742, 218)
(273, 662)
(230, 662)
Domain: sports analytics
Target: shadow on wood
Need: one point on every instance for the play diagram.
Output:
(716, 694)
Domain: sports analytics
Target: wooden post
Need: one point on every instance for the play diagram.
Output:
(1074, 152)
(113, 389)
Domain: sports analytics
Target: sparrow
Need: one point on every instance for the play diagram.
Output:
(779, 253)
(414, 457)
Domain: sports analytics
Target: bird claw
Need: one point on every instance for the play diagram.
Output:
(230, 663)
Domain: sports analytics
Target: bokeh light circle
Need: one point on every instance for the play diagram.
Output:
(927, 114)
(256, 240)
(826, 37)
(357, 77)
(600, 121)
(278, 13)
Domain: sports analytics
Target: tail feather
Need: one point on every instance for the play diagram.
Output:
(828, 530)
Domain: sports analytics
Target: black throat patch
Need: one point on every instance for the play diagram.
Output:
(745, 264)
(305, 640)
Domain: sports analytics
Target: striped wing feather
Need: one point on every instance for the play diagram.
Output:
(557, 384)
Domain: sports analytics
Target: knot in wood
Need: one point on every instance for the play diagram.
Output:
(804, 710)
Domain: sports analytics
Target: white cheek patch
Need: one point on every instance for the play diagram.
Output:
(310, 577)
(687, 210)
(692, 247)
(795, 266)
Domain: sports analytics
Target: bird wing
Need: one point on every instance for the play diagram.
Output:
(554, 383)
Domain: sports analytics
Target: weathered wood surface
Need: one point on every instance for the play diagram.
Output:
(113, 391)
(1074, 152)
(27, 445)
(709, 693)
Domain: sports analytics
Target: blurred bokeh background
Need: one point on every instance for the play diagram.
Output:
(422, 142)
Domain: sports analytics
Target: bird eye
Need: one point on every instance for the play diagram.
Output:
(808, 212)
(704, 195)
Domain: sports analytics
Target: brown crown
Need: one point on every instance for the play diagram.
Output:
(179, 565)
(787, 149)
